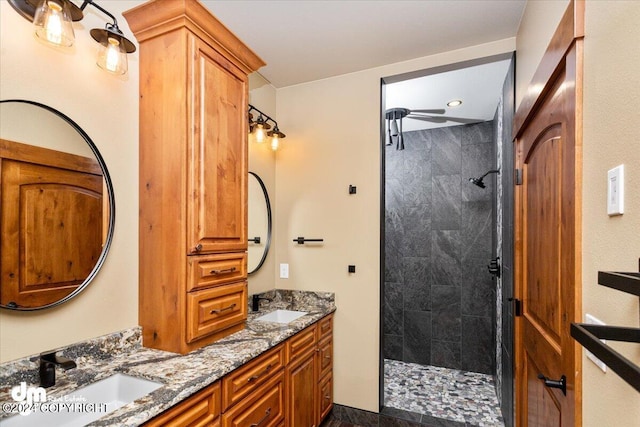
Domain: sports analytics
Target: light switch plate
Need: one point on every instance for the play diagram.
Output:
(592, 320)
(615, 191)
(284, 271)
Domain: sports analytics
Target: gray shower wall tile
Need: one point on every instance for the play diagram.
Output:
(477, 133)
(478, 290)
(446, 203)
(417, 283)
(420, 140)
(392, 347)
(478, 353)
(446, 150)
(394, 162)
(416, 179)
(446, 313)
(446, 354)
(416, 239)
(477, 229)
(478, 159)
(446, 268)
(393, 301)
(417, 337)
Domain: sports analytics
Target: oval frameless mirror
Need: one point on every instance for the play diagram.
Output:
(58, 214)
(259, 223)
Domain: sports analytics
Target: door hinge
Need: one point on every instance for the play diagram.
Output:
(517, 306)
(518, 177)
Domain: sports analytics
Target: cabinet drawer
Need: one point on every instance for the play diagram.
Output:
(213, 270)
(325, 397)
(216, 309)
(325, 327)
(325, 356)
(300, 343)
(201, 409)
(248, 377)
(264, 407)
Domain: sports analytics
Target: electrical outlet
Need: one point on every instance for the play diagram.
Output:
(284, 271)
(591, 320)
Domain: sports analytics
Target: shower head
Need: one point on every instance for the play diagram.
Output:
(477, 181)
(480, 181)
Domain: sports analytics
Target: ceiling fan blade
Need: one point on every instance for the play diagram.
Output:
(434, 111)
(429, 119)
(462, 119)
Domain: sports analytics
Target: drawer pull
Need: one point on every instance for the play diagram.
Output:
(266, 416)
(223, 271)
(220, 310)
(198, 247)
(255, 377)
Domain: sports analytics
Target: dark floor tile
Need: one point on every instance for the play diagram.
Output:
(400, 414)
(430, 421)
(355, 416)
(386, 421)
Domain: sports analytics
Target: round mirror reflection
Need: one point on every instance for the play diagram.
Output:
(259, 228)
(58, 212)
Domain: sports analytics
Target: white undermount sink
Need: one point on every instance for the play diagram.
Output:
(281, 316)
(86, 404)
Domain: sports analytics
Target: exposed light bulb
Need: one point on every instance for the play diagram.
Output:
(260, 134)
(53, 24)
(275, 141)
(112, 57)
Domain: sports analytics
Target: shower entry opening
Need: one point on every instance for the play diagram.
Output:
(441, 323)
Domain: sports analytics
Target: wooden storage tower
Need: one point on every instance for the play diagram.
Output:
(193, 175)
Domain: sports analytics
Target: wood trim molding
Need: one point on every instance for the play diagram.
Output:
(570, 28)
(157, 17)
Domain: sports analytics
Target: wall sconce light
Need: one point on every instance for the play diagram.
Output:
(52, 20)
(260, 126)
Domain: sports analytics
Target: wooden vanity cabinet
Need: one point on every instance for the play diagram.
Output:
(290, 385)
(193, 174)
(309, 375)
(200, 410)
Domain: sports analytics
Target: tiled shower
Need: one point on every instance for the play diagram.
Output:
(439, 299)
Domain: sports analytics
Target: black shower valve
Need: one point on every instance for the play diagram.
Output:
(494, 267)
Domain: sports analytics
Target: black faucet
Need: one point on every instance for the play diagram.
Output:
(48, 363)
(255, 302)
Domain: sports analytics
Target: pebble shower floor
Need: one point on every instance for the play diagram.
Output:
(466, 397)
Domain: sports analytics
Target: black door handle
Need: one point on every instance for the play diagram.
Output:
(561, 383)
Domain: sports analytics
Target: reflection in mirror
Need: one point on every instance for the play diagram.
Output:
(58, 209)
(259, 223)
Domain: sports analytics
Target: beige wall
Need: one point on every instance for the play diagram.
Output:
(262, 95)
(611, 128)
(610, 138)
(106, 107)
(333, 141)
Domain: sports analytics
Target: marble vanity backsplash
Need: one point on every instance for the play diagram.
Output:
(182, 375)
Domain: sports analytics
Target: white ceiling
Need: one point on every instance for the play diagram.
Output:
(307, 40)
(478, 87)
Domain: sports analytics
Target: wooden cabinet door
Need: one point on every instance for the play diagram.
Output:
(51, 226)
(217, 153)
(301, 394)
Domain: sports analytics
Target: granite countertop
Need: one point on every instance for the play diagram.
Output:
(182, 375)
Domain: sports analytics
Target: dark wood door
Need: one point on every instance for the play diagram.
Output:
(547, 251)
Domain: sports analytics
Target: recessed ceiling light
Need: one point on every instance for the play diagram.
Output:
(454, 103)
